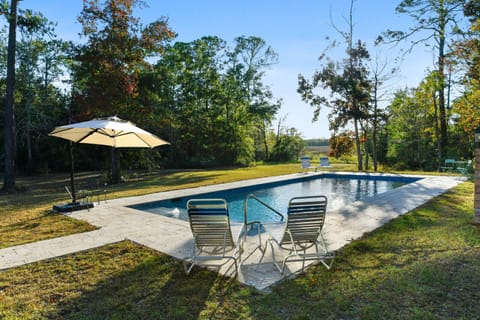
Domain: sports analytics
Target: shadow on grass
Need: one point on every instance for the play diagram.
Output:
(38, 227)
(423, 265)
(368, 283)
(169, 179)
(440, 287)
(380, 276)
(153, 287)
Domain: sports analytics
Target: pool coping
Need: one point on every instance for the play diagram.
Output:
(165, 195)
(251, 186)
(116, 222)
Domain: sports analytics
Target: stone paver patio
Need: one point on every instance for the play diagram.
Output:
(116, 222)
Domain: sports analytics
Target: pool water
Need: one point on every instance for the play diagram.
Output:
(340, 191)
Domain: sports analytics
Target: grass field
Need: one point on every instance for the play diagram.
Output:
(423, 265)
(316, 152)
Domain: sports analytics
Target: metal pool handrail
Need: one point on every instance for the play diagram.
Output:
(257, 224)
(252, 196)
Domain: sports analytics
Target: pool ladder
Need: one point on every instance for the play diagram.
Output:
(249, 226)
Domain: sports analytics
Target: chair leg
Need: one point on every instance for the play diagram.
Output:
(236, 267)
(186, 266)
(328, 265)
(303, 261)
(275, 263)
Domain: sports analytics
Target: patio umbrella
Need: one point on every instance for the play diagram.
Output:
(111, 131)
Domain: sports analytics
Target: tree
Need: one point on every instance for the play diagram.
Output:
(248, 61)
(40, 104)
(192, 94)
(379, 75)
(469, 49)
(288, 146)
(107, 73)
(9, 115)
(30, 21)
(29, 52)
(348, 84)
(432, 18)
(341, 145)
(213, 98)
(413, 137)
(466, 107)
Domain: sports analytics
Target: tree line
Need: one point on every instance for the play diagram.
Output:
(421, 126)
(208, 98)
(205, 97)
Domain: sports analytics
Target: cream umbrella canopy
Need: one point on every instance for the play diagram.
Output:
(111, 131)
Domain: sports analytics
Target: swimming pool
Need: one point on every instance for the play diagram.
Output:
(339, 189)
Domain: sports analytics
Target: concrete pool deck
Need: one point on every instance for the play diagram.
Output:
(117, 222)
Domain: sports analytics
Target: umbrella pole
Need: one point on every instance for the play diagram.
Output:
(72, 183)
(115, 166)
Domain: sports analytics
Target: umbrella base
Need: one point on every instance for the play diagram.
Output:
(69, 207)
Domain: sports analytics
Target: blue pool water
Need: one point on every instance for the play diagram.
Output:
(339, 189)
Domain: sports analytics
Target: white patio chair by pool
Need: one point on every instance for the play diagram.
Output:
(306, 164)
(302, 238)
(212, 235)
(324, 162)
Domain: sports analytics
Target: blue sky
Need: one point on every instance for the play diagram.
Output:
(295, 29)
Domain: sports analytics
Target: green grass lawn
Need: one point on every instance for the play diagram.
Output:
(423, 265)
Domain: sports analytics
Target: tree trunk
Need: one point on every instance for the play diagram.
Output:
(367, 151)
(264, 132)
(28, 108)
(374, 125)
(441, 91)
(9, 130)
(28, 129)
(357, 143)
(30, 165)
(437, 132)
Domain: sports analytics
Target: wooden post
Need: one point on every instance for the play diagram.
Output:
(476, 215)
